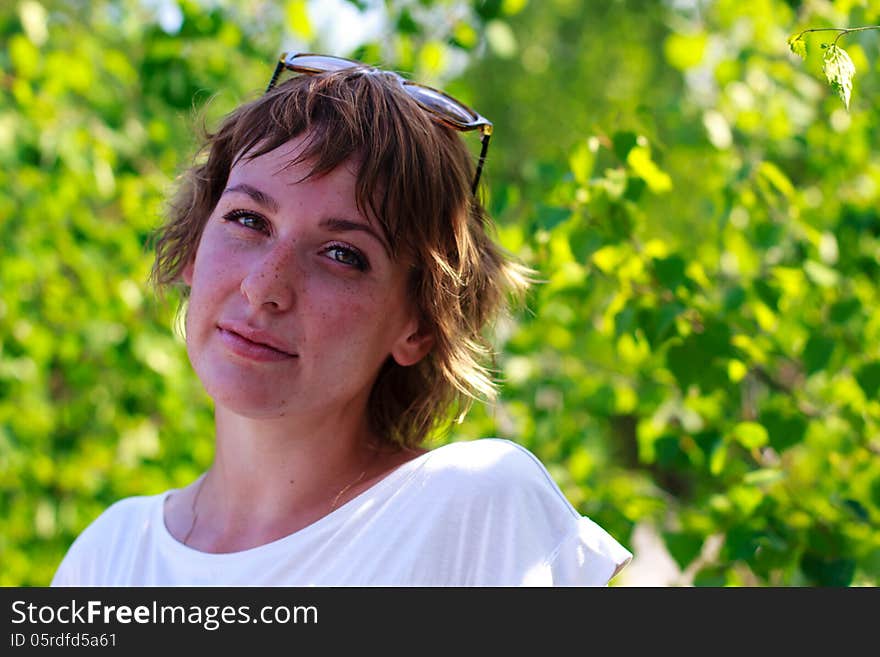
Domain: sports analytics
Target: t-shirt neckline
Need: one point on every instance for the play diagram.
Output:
(343, 511)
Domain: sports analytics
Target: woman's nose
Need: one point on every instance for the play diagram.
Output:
(270, 280)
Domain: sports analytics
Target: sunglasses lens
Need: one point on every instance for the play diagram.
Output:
(319, 63)
(441, 104)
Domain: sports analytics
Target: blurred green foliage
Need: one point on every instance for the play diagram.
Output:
(704, 352)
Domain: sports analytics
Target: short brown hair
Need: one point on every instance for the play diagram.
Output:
(414, 177)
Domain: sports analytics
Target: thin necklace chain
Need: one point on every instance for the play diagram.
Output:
(339, 494)
(195, 513)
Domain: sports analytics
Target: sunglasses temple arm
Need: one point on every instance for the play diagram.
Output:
(275, 75)
(481, 161)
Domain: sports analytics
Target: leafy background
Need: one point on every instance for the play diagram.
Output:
(700, 368)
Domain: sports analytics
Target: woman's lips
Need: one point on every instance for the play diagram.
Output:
(241, 346)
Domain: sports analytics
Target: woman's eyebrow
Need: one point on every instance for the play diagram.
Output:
(337, 225)
(260, 197)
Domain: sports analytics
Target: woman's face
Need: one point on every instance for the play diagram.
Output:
(295, 303)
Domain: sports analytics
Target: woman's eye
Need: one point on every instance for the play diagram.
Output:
(347, 256)
(246, 219)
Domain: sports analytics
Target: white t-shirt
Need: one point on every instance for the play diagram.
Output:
(478, 513)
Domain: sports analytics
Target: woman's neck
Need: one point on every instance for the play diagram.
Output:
(272, 478)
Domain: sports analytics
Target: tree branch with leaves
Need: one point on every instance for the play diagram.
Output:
(836, 64)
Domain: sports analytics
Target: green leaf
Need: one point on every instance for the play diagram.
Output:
(684, 547)
(798, 45)
(657, 324)
(868, 376)
(785, 428)
(584, 241)
(551, 216)
(718, 459)
(827, 571)
(734, 298)
(639, 159)
(820, 274)
(700, 358)
(298, 21)
(601, 401)
(670, 271)
(711, 576)
(817, 352)
(764, 476)
(623, 142)
(511, 7)
(839, 69)
(406, 24)
(489, 9)
(841, 311)
(625, 321)
(774, 175)
(634, 188)
(741, 543)
(768, 293)
(858, 509)
(750, 435)
(668, 452)
(501, 38)
(768, 234)
(685, 51)
(581, 162)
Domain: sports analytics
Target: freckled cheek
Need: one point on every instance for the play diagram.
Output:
(352, 317)
(216, 270)
(214, 282)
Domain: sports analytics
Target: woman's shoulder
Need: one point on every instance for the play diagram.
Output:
(489, 445)
(497, 498)
(116, 527)
(128, 511)
(496, 466)
(488, 456)
(119, 519)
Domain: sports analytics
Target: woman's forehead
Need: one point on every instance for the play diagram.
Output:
(290, 164)
(283, 176)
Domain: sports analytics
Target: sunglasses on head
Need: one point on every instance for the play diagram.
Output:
(441, 106)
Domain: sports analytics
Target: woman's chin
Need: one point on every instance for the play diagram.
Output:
(251, 403)
(254, 411)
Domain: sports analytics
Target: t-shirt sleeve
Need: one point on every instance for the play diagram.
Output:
(583, 553)
(101, 544)
(77, 562)
(587, 556)
(80, 565)
(517, 528)
(65, 574)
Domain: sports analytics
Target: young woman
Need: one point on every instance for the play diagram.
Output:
(339, 277)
